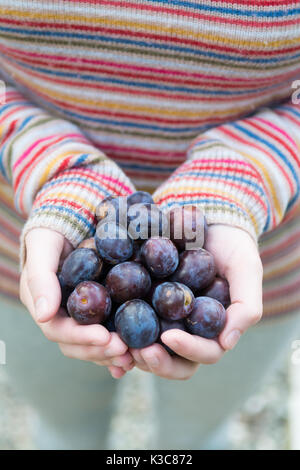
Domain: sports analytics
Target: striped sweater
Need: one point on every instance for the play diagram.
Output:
(194, 100)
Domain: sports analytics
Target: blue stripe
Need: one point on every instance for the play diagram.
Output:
(276, 151)
(209, 201)
(73, 179)
(256, 13)
(11, 105)
(81, 159)
(26, 121)
(148, 44)
(75, 214)
(145, 167)
(218, 176)
(3, 147)
(291, 110)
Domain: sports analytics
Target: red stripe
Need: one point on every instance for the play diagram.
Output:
(113, 71)
(274, 137)
(86, 174)
(226, 130)
(153, 36)
(281, 291)
(10, 131)
(66, 203)
(52, 140)
(154, 71)
(170, 95)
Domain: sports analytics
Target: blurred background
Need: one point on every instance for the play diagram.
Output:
(269, 420)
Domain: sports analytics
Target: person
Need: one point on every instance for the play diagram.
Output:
(194, 101)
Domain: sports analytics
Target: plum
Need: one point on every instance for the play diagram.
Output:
(82, 264)
(136, 256)
(89, 303)
(160, 256)
(166, 325)
(154, 283)
(196, 269)
(207, 319)
(137, 324)
(113, 243)
(187, 227)
(110, 321)
(66, 291)
(139, 197)
(173, 301)
(113, 209)
(128, 281)
(218, 290)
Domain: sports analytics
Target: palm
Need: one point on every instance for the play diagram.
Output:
(238, 261)
(231, 247)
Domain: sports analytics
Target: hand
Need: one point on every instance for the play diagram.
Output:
(40, 293)
(238, 261)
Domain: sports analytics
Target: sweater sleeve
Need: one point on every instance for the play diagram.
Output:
(58, 176)
(245, 173)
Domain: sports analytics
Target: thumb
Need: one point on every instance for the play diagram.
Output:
(44, 248)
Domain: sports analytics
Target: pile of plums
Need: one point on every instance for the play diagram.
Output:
(145, 272)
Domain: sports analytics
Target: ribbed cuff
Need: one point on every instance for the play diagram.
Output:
(224, 185)
(67, 203)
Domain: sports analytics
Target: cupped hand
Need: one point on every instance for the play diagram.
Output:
(40, 293)
(237, 259)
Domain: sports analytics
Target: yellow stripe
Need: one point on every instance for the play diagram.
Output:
(46, 174)
(267, 177)
(72, 197)
(140, 26)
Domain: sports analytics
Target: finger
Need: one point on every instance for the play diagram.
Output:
(245, 282)
(116, 372)
(44, 248)
(96, 354)
(163, 365)
(65, 330)
(25, 295)
(138, 360)
(192, 347)
(136, 354)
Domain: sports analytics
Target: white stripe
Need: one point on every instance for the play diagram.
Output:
(135, 15)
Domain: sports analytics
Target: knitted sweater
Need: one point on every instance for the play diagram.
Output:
(192, 99)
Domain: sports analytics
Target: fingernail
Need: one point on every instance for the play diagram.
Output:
(232, 339)
(41, 308)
